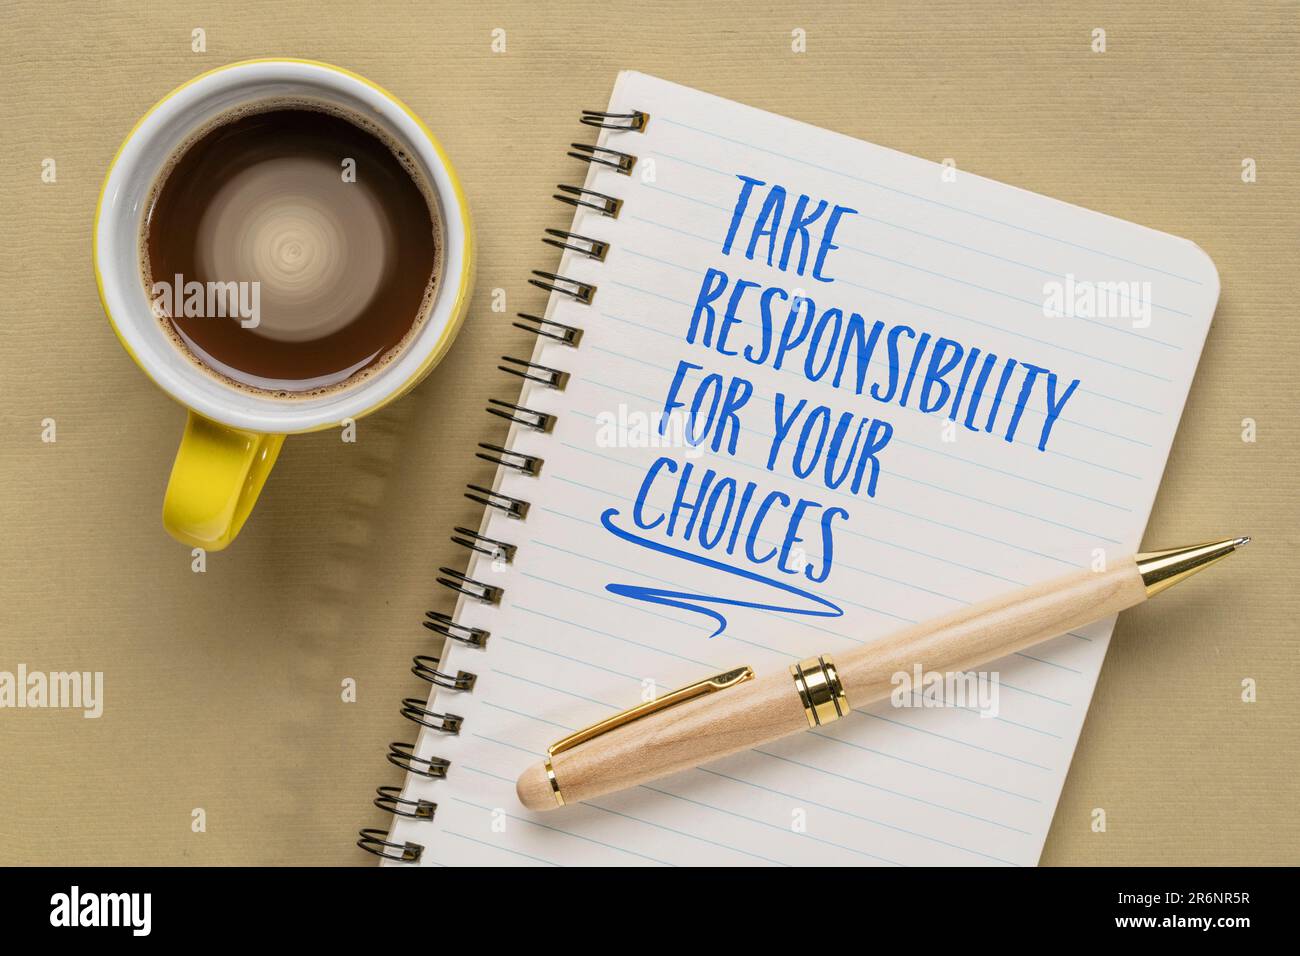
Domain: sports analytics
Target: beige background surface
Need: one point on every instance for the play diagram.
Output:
(223, 689)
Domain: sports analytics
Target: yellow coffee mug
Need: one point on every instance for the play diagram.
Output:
(232, 437)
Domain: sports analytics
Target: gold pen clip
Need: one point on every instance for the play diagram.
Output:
(707, 686)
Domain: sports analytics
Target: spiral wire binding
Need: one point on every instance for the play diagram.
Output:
(589, 199)
(578, 291)
(391, 799)
(635, 121)
(550, 377)
(444, 624)
(426, 667)
(613, 158)
(585, 245)
(539, 421)
(414, 710)
(513, 507)
(494, 549)
(529, 465)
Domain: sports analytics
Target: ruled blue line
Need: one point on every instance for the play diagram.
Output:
(577, 660)
(1029, 727)
(558, 690)
(862, 817)
(609, 564)
(519, 713)
(1015, 511)
(1021, 690)
(975, 712)
(593, 805)
(895, 792)
(963, 743)
(1042, 660)
(922, 766)
(613, 637)
(911, 585)
(610, 600)
(497, 846)
(569, 833)
(505, 743)
(926, 199)
(668, 829)
(657, 295)
(773, 826)
(966, 318)
(678, 584)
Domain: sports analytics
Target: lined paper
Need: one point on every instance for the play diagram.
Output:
(952, 522)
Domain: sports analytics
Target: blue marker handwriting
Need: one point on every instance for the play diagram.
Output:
(755, 534)
(811, 605)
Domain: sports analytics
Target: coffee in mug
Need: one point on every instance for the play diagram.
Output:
(290, 248)
(307, 258)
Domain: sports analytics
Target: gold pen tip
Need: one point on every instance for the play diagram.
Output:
(1164, 569)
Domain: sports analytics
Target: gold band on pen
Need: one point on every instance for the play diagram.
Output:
(820, 691)
(555, 784)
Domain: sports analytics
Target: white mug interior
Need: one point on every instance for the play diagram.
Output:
(117, 236)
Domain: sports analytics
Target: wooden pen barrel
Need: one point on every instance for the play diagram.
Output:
(755, 712)
(985, 632)
(682, 736)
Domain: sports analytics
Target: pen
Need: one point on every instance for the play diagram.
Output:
(735, 710)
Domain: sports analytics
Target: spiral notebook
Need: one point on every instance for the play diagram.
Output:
(792, 391)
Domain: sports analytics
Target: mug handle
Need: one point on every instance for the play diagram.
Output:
(216, 478)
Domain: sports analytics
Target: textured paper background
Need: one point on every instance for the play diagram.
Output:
(223, 689)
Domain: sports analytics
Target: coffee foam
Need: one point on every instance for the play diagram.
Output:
(399, 152)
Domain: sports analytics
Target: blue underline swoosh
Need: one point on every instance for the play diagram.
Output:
(690, 601)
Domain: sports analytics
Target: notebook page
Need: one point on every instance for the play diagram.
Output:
(614, 594)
